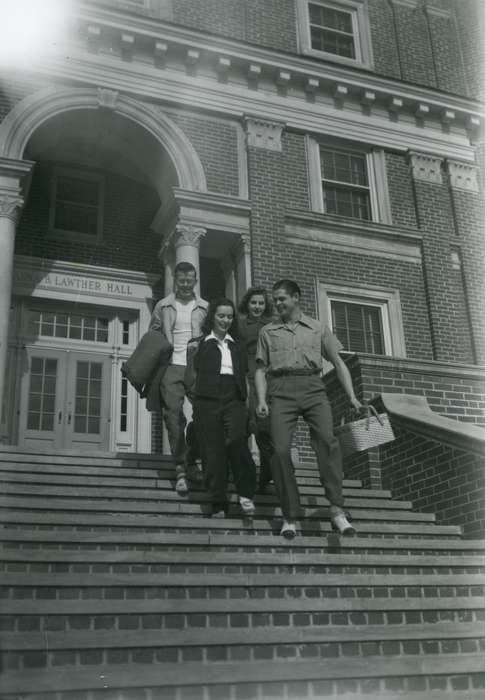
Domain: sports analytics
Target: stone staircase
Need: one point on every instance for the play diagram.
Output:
(114, 588)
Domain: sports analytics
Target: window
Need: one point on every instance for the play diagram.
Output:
(358, 326)
(365, 320)
(54, 324)
(77, 203)
(336, 30)
(348, 179)
(345, 184)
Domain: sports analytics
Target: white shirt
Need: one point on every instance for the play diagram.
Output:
(226, 357)
(182, 332)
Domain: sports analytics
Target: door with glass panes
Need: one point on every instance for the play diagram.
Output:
(65, 400)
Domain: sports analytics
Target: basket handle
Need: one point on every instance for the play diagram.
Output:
(371, 410)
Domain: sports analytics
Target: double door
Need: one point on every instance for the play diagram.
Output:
(65, 400)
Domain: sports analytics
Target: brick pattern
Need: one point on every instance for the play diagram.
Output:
(469, 212)
(436, 478)
(128, 212)
(294, 174)
(216, 144)
(400, 189)
(470, 21)
(384, 39)
(446, 53)
(416, 58)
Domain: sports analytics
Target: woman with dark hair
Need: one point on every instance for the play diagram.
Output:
(256, 311)
(217, 369)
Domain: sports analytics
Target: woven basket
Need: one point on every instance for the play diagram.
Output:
(360, 435)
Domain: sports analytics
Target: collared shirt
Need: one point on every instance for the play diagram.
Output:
(226, 358)
(165, 314)
(295, 346)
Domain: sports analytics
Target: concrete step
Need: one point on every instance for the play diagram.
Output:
(179, 521)
(104, 540)
(51, 649)
(72, 502)
(306, 476)
(363, 676)
(214, 561)
(212, 614)
(164, 492)
(239, 586)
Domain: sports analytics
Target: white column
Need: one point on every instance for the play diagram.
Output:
(168, 263)
(243, 266)
(9, 209)
(186, 240)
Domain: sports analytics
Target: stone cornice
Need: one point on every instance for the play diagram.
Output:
(362, 238)
(463, 176)
(299, 67)
(426, 168)
(420, 367)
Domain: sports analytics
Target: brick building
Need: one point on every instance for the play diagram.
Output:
(335, 141)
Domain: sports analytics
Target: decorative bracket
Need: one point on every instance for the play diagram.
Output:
(107, 99)
(463, 176)
(186, 234)
(10, 207)
(262, 133)
(426, 168)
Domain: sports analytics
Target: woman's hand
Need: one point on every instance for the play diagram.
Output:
(262, 410)
(356, 405)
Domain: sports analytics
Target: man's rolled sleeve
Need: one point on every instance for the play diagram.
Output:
(331, 345)
(262, 350)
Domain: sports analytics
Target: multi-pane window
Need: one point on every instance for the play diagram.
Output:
(124, 405)
(87, 408)
(359, 327)
(42, 394)
(331, 30)
(76, 205)
(345, 183)
(54, 324)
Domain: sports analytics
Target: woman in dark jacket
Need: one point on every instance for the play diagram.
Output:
(217, 367)
(256, 311)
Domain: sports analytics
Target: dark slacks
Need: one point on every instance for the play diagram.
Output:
(290, 397)
(222, 431)
(261, 429)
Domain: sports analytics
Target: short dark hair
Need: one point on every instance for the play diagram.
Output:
(208, 324)
(253, 291)
(184, 267)
(289, 286)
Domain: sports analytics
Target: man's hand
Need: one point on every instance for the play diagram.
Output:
(262, 410)
(356, 405)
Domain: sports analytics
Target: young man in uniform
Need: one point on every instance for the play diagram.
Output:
(179, 316)
(289, 367)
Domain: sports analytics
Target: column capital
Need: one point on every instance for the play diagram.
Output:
(463, 176)
(188, 235)
(10, 206)
(426, 168)
(263, 133)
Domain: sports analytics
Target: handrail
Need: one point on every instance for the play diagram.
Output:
(413, 412)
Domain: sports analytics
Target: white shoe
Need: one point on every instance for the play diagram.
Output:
(342, 525)
(288, 530)
(181, 486)
(247, 505)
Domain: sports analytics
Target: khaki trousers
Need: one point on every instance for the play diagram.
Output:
(290, 397)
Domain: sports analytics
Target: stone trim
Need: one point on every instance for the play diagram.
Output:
(426, 168)
(263, 133)
(463, 176)
(10, 207)
(187, 235)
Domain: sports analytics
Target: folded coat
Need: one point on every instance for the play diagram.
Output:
(144, 368)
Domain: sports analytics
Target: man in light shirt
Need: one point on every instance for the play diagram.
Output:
(179, 316)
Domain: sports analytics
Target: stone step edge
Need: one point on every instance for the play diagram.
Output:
(121, 676)
(328, 543)
(168, 495)
(193, 637)
(70, 518)
(287, 558)
(191, 509)
(246, 580)
(140, 606)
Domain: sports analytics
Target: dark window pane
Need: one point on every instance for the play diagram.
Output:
(358, 326)
(93, 425)
(47, 421)
(80, 424)
(77, 190)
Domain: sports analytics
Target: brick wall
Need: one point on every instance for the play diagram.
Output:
(128, 211)
(469, 18)
(400, 188)
(384, 39)
(436, 478)
(215, 141)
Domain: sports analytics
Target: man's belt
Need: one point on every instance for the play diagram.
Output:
(295, 372)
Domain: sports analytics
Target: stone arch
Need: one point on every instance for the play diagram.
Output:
(21, 122)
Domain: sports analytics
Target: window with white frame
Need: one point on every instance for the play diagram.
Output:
(76, 206)
(348, 180)
(335, 30)
(365, 320)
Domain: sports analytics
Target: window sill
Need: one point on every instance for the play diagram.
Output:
(341, 60)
